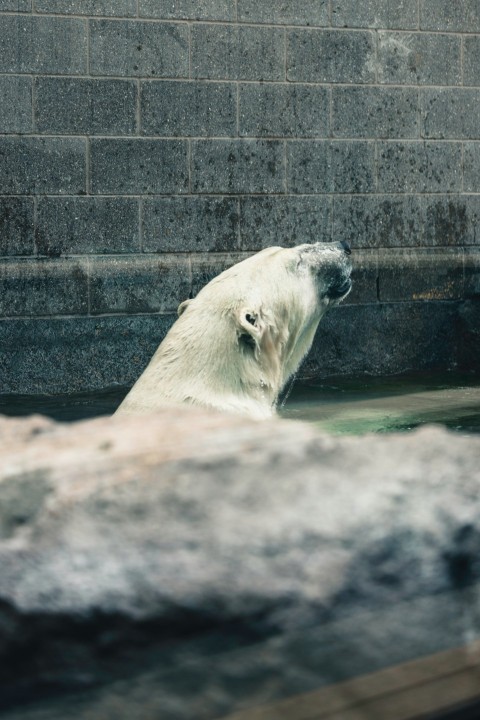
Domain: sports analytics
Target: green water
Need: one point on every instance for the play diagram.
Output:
(344, 405)
(358, 405)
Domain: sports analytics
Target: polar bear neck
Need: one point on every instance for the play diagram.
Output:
(237, 343)
(190, 367)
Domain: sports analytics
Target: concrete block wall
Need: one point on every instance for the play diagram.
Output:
(145, 145)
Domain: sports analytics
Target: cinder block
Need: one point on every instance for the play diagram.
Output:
(294, 12)
(397, 340)
(206, 267)
(326, 166)
(115, 8)
(375, 14)
(138, 284)
(364, 278)
(471, 167)
(378, 221)
(32, 287)
(229, 52)
(15, 5)
(376, 112)
(237, 166)
(330, 56)
(419, 58)
(15, 104)
(419, 167)
(400, 221)
(461, 16)
(191, 224)
(16, 226)
(88, 225)
(450, 220)
(471, 60)
(30, 44)
(188, 9)
(420, 274)
(85, 107)
(182, 108)
(136, 166)
(42, 165)
(468, 323)
(279, 110)
(139, 49)
(451, 113)
(284, 220)
(472, 273)
(65, 355)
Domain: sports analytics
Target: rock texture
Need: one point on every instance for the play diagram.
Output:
(186, 564)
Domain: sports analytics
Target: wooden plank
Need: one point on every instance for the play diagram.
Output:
(408, 691)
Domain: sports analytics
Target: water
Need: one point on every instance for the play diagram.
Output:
(357, 405)
(344, 405)
(64, 408)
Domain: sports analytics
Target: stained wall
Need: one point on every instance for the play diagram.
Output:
(145, 146)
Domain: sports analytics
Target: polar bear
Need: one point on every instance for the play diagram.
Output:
(234, 346)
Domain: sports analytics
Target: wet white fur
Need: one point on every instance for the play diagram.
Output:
(235, 345)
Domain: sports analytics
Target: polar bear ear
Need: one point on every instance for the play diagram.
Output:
(250, 327)
(183, 306)
(250, 321)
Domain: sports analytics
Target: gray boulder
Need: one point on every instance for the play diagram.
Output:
(188, 563)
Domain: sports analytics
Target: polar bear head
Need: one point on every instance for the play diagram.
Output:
(236, 343)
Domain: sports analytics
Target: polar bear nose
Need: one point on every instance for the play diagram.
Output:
(345, 246)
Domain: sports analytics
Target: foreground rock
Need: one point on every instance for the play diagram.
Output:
(190, 563)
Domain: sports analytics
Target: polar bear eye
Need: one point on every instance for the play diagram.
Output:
(251, 319)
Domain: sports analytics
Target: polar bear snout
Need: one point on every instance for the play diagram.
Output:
(343, 282)
(332, 268)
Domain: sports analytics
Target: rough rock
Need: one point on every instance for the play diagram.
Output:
(189, 563)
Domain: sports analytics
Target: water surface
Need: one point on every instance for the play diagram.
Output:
(343, 405)
(357, 405)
